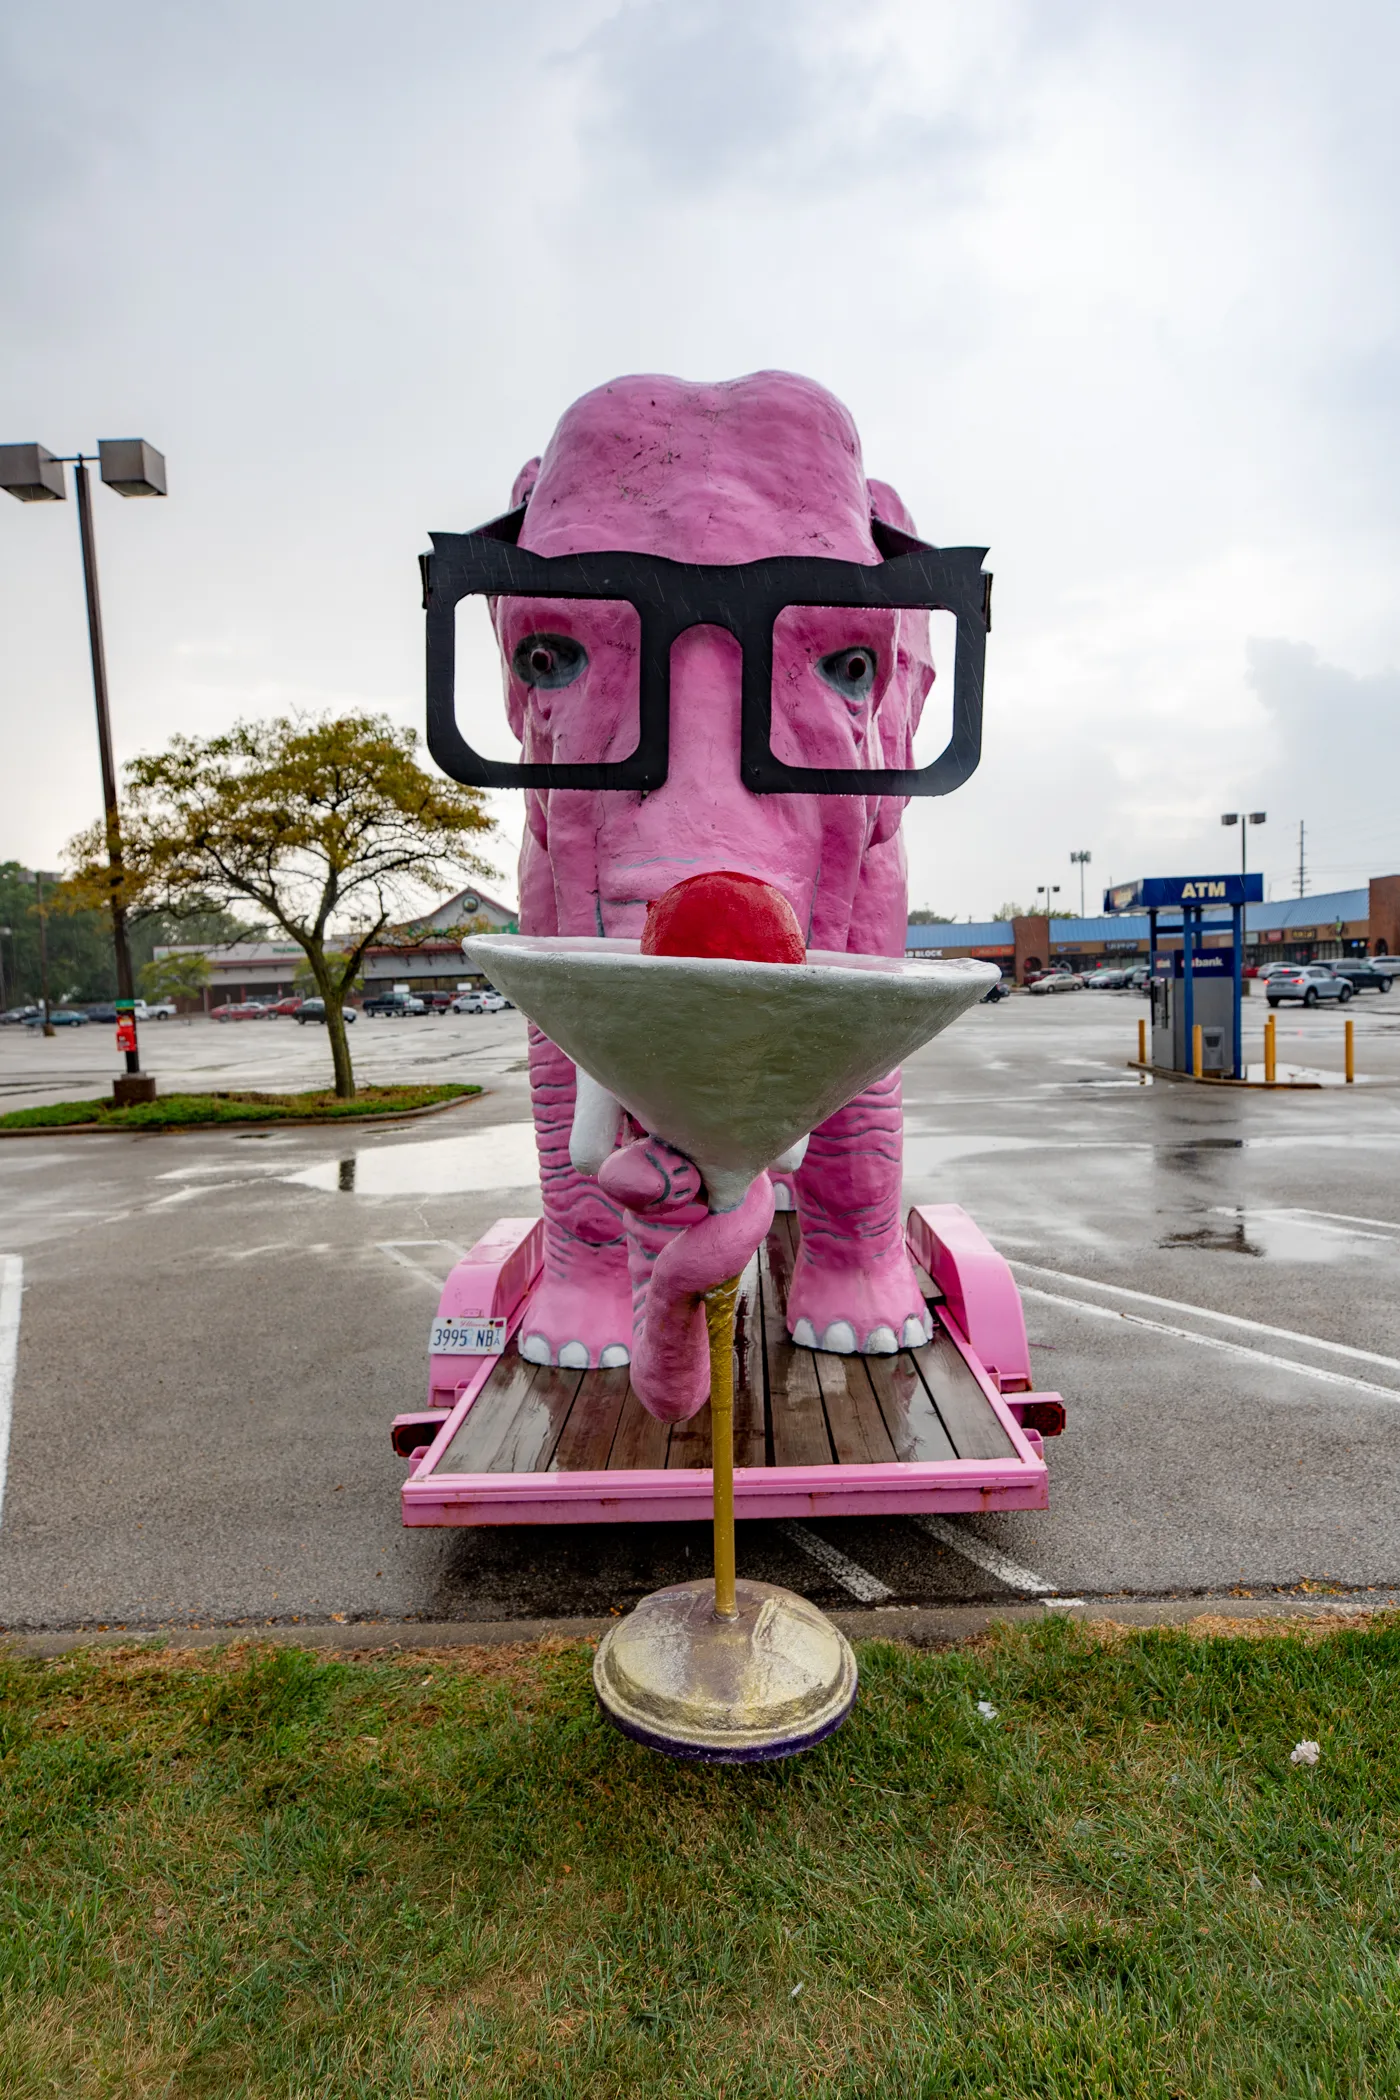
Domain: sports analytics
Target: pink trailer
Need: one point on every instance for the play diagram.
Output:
(954, 1425)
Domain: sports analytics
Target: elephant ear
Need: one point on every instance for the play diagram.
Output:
(524, 482)
(907, 691)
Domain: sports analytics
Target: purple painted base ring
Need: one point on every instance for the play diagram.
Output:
(771, 1683)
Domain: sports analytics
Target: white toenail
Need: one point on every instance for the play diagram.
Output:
(839, 1339)
(915, 1333)
(574, 1356)
(782, 1196)
(536, 1350)
(614, 1356)
(881, 1342)
(805, 1335)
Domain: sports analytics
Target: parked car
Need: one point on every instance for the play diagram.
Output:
(1106, 981)
(290, 1006)
(60, 1016)
(156, 1010)
(1000, 990)
(1308, 982)
(1058, 981)
(390, 1006)
(1388, 965)
(14, 1015)
(315, 1010)
(1267, 970)
(467, 1003)
(240, 1010)
(1362, 975)
(103, 1011)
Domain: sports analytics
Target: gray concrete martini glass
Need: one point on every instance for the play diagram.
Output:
(733, 1063)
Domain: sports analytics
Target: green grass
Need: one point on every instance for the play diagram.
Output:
(171, 1111)
(402, 1879)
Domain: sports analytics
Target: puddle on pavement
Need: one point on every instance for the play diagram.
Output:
(502, 1157)
(1283, 1235)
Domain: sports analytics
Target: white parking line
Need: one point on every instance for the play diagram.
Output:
(1206, 1312)
(984, 1556)
(1218, 1342)
(1337, 1217)
(394, 1250)
(11, 1292)
(849, 1573)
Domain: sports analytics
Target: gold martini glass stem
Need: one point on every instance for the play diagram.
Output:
(719, 1320)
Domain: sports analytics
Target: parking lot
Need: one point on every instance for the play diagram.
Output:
(217, 1328)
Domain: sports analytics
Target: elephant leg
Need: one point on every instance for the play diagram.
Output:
(854, 1290)
(580, 1312)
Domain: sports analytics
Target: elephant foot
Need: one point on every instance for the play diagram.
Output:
(582, 1326)
(874, 1310)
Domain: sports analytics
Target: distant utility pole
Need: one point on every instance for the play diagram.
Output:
(1302, 862)
(43, 949)
(1082, 860)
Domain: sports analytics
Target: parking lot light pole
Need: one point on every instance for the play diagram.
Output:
(1244, 819)
(33, 474)
(1081, 861)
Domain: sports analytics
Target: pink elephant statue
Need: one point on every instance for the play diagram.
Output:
(761, 466)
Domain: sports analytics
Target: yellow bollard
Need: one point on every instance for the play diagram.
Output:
(1198, 1063)
(1270, 1051)
(1142, 1042)
(1351, 1052)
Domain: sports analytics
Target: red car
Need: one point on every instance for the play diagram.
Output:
(248, 1010)
(284, 1006)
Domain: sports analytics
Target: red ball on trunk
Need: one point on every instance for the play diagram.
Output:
(724, 914)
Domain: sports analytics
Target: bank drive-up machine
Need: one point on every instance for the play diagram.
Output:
(1198, 984)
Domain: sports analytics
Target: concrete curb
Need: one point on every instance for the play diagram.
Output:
(920, 1625)
(391, 1115)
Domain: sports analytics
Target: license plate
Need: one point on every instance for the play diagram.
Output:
(467, 1337)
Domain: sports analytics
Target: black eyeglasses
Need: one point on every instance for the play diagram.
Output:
(662, 599)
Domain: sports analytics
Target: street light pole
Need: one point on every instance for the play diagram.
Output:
(126, 985)
(1244, 819)
(1082, 860)
(33, 474)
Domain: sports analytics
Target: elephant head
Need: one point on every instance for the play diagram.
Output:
(766, 465)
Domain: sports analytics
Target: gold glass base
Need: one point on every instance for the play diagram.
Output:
(772, 1681)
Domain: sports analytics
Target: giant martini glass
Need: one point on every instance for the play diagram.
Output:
(732, 1063)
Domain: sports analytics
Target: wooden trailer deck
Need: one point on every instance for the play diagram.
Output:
(814, 1433)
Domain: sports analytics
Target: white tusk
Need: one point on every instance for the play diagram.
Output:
(597, 1120)
(793, 1157)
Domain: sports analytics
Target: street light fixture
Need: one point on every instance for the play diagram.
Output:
(1244, 820)
(33, 474)
(1081, 861)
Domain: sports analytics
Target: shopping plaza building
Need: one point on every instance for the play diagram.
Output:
(427, 956)
(1300, 929)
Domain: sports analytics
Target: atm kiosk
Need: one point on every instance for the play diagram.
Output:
(1194, 986)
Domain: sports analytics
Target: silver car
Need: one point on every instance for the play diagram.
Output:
(1308, 982)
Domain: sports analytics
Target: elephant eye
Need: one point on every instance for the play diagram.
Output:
(850, 672)
(548, 660)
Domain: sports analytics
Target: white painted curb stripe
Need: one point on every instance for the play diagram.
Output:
(851, 1576)
(11, 1292)
(984, 1556)
(1215, 1341)
(1206, 1312)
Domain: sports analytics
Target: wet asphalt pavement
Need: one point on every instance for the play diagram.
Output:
(217, 1329)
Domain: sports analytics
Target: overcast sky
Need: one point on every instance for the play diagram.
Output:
(1110, 288)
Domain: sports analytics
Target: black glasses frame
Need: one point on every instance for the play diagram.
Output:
(743, 597)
